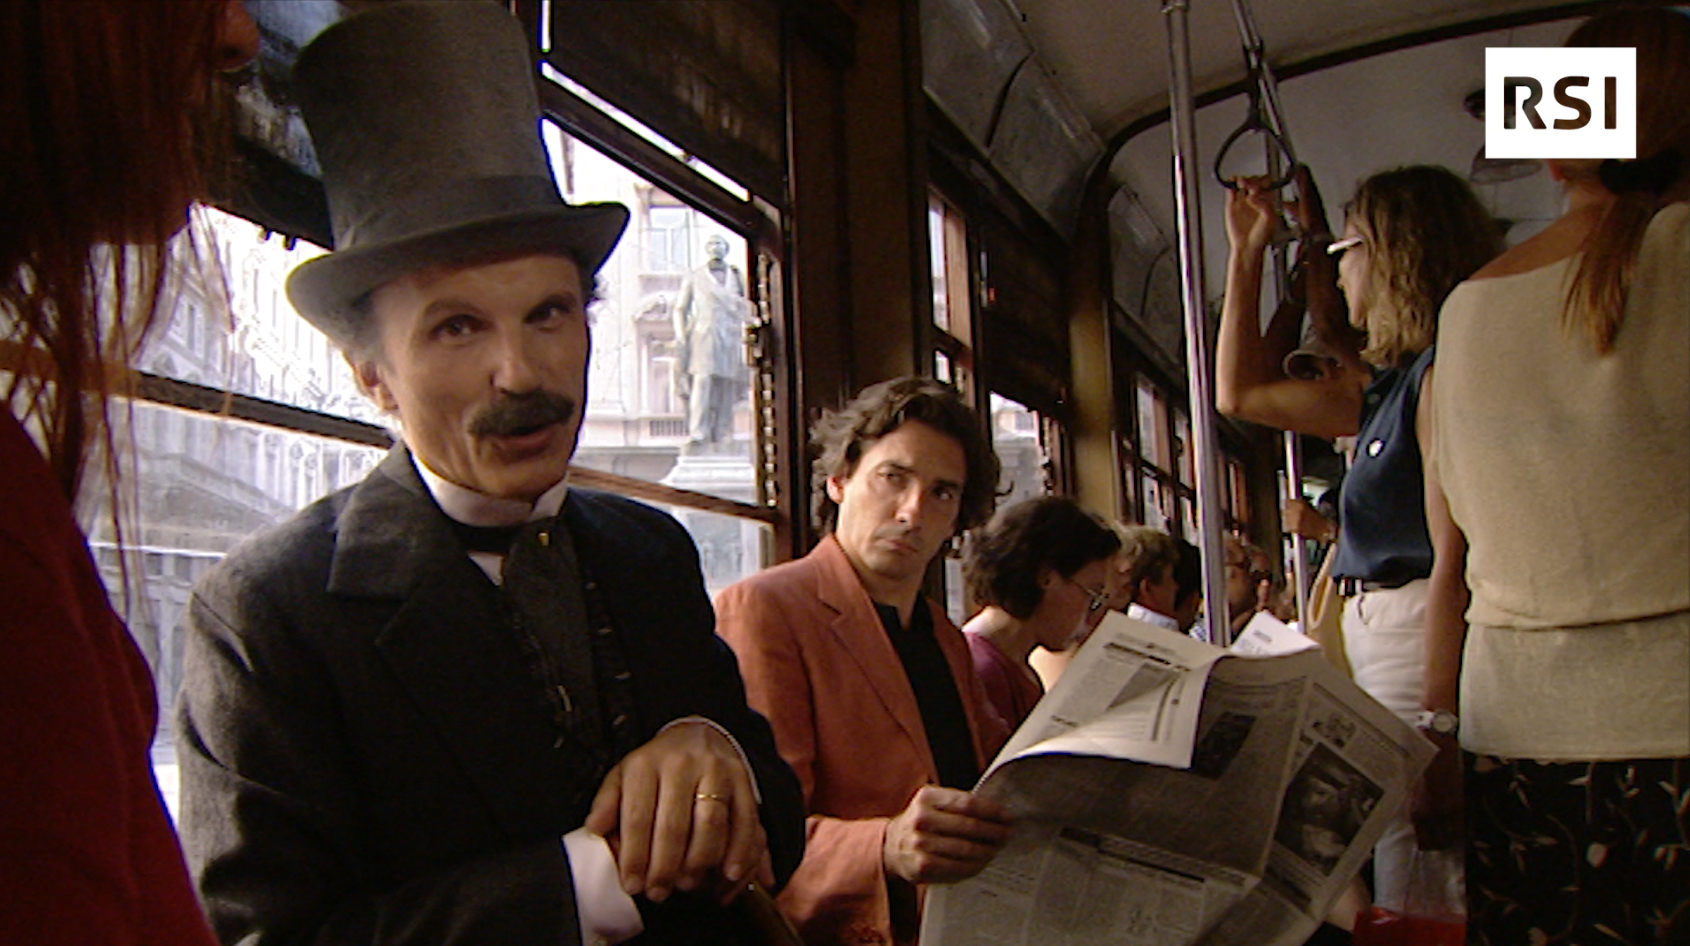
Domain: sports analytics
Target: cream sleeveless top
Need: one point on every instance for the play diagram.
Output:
(1569, 472)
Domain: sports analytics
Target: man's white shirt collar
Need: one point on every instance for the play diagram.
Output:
(1138, 612)
(471, 508)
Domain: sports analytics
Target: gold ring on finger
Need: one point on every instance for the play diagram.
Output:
(709, 796)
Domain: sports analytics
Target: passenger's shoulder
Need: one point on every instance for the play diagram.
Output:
(1669, 232)
(597, 516)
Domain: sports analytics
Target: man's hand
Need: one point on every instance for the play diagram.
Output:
(944, 835)
(1300, 518)
(679, 811)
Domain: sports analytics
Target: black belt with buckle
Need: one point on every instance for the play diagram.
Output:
(1350, 587)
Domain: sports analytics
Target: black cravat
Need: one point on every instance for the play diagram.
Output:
(559, 614)
(494, 539)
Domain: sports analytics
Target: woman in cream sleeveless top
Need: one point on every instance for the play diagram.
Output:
(1558, 498)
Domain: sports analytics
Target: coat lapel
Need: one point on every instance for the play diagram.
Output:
(857, 629)
(442, 635)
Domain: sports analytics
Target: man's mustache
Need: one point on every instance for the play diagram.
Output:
(518, 413)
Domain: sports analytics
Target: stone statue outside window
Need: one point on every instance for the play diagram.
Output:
(710, 313)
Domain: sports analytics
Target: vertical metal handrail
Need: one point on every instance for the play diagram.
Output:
(1268, 93)
(1197, 342)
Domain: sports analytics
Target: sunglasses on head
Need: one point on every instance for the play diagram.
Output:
(1336, 248)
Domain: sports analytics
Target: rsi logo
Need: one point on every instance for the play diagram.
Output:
(1511, 85)
(1594, 109)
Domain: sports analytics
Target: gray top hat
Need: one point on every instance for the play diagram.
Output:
(426, 125)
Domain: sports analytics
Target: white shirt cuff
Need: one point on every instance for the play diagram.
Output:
(606, 913)
(745, 760)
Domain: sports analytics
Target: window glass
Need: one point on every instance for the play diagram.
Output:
(729, 547)
(1155, 514)
(936, 258)
(1150, 433)
(249, 339)
(199, 485)
(1020, 449)
(669, 392)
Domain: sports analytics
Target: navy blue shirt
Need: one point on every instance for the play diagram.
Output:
(1382, 503)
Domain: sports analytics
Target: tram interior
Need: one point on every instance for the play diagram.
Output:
(1024, 199)
(976, 189)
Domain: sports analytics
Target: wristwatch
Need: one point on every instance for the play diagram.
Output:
(1442, 722)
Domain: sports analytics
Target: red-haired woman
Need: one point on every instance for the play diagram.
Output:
(98, 121)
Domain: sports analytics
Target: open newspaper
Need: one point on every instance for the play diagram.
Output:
(1169, 792)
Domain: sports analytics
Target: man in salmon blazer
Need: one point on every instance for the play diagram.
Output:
(870, 688)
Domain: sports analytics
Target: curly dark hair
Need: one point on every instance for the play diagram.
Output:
(841, 437)
(1005, 558)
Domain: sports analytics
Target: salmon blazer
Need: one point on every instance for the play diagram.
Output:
(817, 662)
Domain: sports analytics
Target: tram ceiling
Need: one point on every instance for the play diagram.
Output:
(1109, 56)
(1105, 65)
(1365, 85)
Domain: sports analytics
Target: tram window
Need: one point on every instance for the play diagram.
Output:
(669, 394)
(1018, 437)
(953, 303)
(1155, 502)
(665, 277)
(1153, 426)
(947, 245)
(1165, 462)
(200, 483)
(729, 547)
(639, 128)
(249, 340)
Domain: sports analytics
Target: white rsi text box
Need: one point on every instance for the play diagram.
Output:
(1564, 102)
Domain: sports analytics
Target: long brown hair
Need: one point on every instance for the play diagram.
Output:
(1426, 232)
(99, 101)
(1596, 299)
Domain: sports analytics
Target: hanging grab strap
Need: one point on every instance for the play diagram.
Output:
(1260, 82)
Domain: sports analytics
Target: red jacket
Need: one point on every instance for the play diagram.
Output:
(817, 662)
(87, 853)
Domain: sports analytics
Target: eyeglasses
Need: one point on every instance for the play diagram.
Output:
(1099, 599)
(1336, 248)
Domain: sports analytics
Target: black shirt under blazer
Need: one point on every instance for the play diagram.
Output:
(364, 757)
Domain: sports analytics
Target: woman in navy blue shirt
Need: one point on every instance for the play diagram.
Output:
(1410, 235)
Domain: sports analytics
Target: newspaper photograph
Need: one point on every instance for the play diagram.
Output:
(1168, 792)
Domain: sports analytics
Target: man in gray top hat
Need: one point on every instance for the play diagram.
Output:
(415, 712)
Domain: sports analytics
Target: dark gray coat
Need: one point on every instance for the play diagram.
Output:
(363, 758)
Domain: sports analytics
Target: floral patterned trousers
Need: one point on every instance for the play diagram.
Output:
(1582, 853)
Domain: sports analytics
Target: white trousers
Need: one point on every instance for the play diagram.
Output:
(1385, 637)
